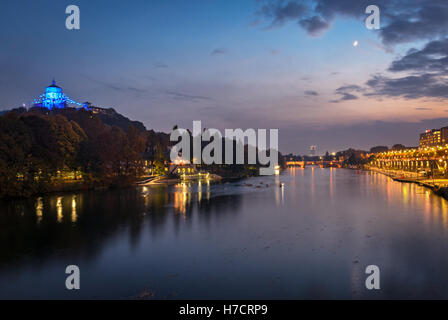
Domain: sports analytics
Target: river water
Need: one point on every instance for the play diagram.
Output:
(311, 239)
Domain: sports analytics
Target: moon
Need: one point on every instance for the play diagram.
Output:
(355, 44)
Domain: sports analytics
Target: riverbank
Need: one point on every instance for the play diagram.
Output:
(438, 186)
(60, 186)
(71, 185)
(169, 180)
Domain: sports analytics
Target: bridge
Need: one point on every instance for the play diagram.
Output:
(320, 163)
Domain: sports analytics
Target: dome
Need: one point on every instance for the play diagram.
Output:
(53, 85)
(54, 98)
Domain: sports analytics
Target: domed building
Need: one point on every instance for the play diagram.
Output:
(52, 98)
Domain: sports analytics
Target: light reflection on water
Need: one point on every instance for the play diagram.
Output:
(311, 238)
(39, 207)
(59, 209)
(74, 215)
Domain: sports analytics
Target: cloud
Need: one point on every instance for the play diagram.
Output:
(311, 93)
(138, 90)
(315, 25)
(350, 87)
(107, 85)
(423, 109)
(160, 65)
(346, 93)
(187, 97)
(401, 21)
(429, 19)
(432, 58)
(348, 96)
(218, 51)
(281, 12)
(420, 74)
(409, 87)
(116, 87)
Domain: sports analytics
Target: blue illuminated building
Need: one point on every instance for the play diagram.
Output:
(54, 98)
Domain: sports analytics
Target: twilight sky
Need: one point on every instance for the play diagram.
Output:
(287, 64)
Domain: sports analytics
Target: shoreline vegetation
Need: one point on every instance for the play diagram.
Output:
(61, 150)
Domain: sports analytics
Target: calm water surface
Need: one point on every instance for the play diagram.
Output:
(251, 239)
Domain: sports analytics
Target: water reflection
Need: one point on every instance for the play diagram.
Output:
(59, 209)
(191, 238)
(182, 198)
(92, 212)
(208, 190)
(332, 172)
(279, 191)
(39, 208)
(74, 216)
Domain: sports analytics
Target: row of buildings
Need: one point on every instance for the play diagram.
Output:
(434, 137)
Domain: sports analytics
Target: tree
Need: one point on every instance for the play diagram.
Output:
(159, 160)
(15, 148)
(38, 144)
(398, 147)
(132, 152)
(379, 149)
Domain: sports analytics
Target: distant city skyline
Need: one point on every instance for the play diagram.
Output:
(291, 65)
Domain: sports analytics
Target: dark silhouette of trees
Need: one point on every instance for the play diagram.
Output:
(327, 156)
(38, 150)
(398, 146)
(15, 147)
(379, 149)
(43, 151)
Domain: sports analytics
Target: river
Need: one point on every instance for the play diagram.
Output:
(311, 239)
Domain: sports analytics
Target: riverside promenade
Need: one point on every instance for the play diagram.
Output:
(438, 185)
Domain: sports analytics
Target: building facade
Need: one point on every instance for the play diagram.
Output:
(54, 98)
(434, 137)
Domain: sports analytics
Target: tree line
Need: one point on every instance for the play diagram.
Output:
(37, 147)
(67, 149)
